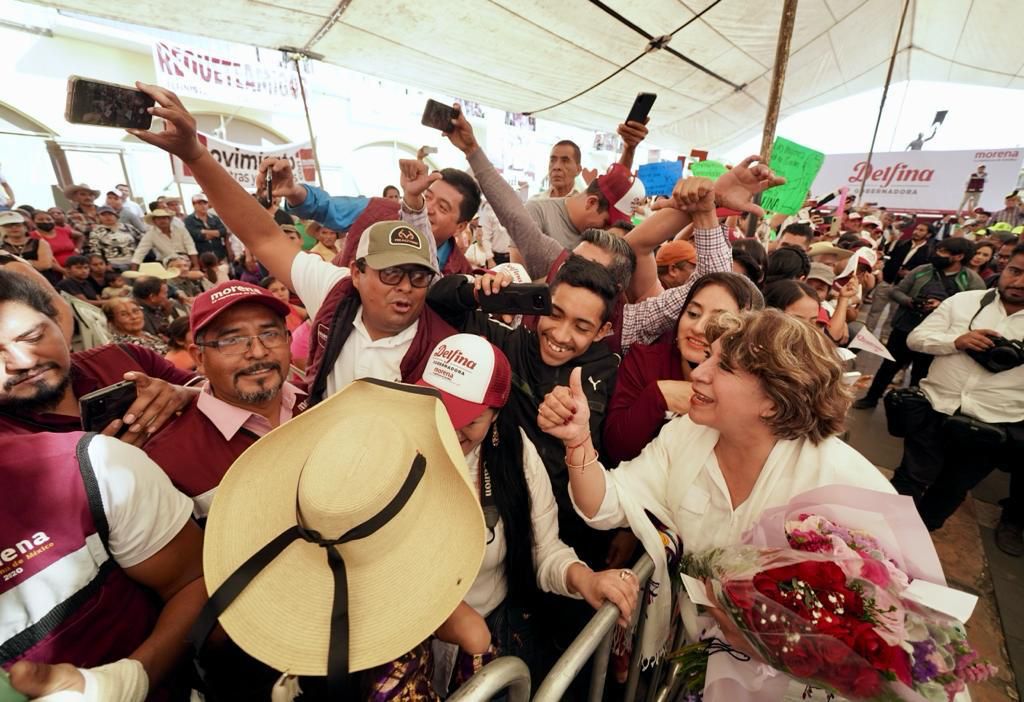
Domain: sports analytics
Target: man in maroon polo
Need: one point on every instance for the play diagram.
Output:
(242, 347)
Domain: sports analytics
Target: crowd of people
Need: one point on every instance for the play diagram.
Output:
(351, 468)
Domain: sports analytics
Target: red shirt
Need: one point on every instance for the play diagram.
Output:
(60, 243)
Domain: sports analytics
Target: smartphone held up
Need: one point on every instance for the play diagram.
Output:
(438, 116)
(102, 104)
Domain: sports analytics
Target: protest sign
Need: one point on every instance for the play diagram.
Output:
(243, 161)
(707, 169)
(799, 166)
(661, 177)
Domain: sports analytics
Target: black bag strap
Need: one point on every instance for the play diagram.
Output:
(986, 300)
(92, 490)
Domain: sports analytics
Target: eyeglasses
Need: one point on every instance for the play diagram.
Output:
(418, 277)
(237, 345)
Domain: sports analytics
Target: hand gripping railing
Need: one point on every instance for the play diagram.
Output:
(505, 672)
(596, 636)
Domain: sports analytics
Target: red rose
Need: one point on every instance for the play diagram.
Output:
(767, 586)
(740, 593)
(855, 678)
(801, 659)
(867, 643)
(897, 660)
(833, 651)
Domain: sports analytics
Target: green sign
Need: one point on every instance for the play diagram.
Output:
(707, 169)
(799, 166)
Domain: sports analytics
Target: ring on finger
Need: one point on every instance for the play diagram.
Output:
(626, 573)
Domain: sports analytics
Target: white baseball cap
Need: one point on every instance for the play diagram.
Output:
(871, 219)
(471, 374)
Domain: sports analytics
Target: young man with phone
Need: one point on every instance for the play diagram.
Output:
(368, 321)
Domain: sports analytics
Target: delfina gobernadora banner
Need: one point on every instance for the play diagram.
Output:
(922, 180)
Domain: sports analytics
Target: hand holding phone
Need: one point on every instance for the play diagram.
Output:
(103, 104)
(438, 116)
(641, 107)
(101, 407)
(518, 298)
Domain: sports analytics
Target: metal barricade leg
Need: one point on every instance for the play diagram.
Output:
(634, 660)
(599, 669)
(501, 673)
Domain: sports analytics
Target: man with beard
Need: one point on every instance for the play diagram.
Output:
(242, 347)
(41, 379)
(968, 382)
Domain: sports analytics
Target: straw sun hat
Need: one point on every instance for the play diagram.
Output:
(376, 454)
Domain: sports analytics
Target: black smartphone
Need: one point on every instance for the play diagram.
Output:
(107, 104)
(438, 115)
(519, 298)
(101, 407)
(641, 107)
(267, 198)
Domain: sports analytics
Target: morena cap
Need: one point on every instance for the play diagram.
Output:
(220, 298)
(621, 190)
(471, 374)
(394, 243)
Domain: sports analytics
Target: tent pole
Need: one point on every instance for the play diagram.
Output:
(771, 118)
(309, 122)
(881, 105)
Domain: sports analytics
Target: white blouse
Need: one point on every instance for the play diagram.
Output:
(551, 557)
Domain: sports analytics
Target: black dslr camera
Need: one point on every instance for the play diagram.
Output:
(1005, 355)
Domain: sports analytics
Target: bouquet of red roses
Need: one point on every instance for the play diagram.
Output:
(834, 610)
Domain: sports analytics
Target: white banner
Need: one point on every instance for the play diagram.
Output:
(224, 78)
(243, 161)
(922, 180)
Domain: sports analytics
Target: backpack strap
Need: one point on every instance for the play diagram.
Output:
(92, 491)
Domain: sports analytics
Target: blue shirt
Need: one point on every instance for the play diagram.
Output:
(336, 212)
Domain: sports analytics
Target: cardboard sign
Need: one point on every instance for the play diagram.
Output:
(707, 169)
(661, 177)
(799, 166)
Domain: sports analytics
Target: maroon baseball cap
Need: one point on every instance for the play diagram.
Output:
(223, 296)
(471, 374)
(621, 190)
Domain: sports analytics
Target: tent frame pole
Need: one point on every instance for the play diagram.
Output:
(771, 119)
(296, 57)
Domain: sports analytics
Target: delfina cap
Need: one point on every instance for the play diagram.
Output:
(674, 252)
(621, 190)
(363, 500)
(471, 374)
(822, 272)
(11, 217)
(220, 298)
(394, 243)
(515, 270)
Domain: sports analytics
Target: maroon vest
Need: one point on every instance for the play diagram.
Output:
(92, 613)
(333, 325)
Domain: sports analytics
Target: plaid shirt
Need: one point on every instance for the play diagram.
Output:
(643, 322)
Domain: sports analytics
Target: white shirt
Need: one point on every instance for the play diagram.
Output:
(911, 251)
(500, 240)
(360, 357)
(179, 242)
(955, 380)
(551, 557)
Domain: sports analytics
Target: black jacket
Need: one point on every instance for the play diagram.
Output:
(532, 379)
(890, 271)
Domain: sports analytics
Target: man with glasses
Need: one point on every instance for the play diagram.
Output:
(242, 347)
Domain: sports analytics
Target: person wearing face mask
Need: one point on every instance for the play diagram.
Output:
(921, 291)
(654, 383)
(59, 240)
(524, 553)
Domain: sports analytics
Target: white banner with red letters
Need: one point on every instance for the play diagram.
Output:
(922, 180)
(223, 77)
(243, 161)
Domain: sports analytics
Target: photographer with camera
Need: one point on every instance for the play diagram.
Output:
(975, 389)
(920, 292)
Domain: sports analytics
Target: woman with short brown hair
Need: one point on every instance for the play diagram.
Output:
(762, 423)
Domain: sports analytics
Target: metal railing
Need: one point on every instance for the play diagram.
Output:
(501, 673)
(596, 640)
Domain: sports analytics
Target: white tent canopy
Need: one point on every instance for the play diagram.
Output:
(524, 55)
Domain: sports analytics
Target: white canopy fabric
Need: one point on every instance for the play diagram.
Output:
(524, 55)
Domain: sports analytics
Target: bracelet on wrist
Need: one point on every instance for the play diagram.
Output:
(582, 467)
(585, 439)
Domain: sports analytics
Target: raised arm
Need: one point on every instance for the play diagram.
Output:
(250, 222)
(537, 249)
(632, 134)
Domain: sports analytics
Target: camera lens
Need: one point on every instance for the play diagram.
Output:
(538, 301)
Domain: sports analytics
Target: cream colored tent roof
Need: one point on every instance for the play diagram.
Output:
(523, 55)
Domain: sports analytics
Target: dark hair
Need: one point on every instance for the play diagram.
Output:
(96, 255)
(786, 263)
(177, 331)
(155, 205)
(581, 273)
(800, 229)
(755, 250)
(986, 244)
(76, 260)
(144, 288)
(955, 246)
(623, 224)
(467, 187)
(576, 153)
(595, 190)
(783, 293)
(1017, 250)
(739, 290)
(504, 464)
(851, 240)
(15, 287)
(384, 193)
(268, 281)
(750, 267)
(623, 263)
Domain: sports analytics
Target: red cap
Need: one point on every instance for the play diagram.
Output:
(471, 374)
(219, 298)
(620, 189)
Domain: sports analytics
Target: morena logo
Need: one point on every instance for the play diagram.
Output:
(24, 546)
(403, 236)
(454, 356)
(232, 290)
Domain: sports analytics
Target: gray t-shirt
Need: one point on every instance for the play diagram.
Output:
(552, 216)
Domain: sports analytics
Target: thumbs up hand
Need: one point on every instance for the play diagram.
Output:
(564, 413)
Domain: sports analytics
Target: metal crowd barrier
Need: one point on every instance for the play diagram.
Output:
(597, 637)
(501, 673)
